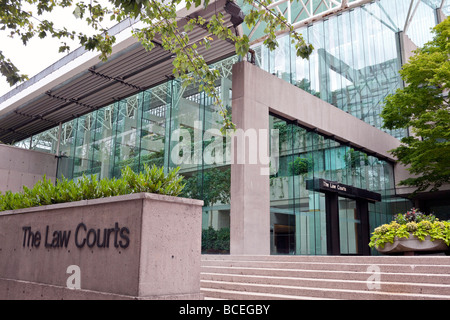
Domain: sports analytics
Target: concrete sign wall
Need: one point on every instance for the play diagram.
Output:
(141, 246)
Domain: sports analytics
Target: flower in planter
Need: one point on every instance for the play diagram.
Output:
(411, 226)
(414, 215)
(412, 223)
(441, 225)
(426, 225)
(395, 225)
(382, 229)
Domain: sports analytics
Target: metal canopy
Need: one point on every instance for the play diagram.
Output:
(126, 73)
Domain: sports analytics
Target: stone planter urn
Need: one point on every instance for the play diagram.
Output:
(411, 245)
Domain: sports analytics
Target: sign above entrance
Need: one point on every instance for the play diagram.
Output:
(343, 190)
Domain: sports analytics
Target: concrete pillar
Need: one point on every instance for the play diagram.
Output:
(407, 47)
(250, 189)
(440, 15)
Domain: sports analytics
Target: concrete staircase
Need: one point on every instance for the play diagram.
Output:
(325, 277)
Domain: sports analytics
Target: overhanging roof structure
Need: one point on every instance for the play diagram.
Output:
(80, 83)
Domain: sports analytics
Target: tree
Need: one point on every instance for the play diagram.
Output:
(159, 18)
(423, 106)
(212, 187)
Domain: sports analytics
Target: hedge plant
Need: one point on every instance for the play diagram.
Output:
(216, 241)
(45, 192)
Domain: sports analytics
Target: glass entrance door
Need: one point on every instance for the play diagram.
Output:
(349, 226)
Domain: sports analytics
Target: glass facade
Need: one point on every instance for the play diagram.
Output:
(169, 125)
(298, 214)
(390, 13)
(357, 56)
(353, 67)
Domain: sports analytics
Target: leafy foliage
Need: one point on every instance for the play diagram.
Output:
(216, 240)
(160, 27)
(45, 192)
(213, 187)
(355, 159)
(10, 71)
(423, 106)
(413, 215)
(413, 222)
(300, 166)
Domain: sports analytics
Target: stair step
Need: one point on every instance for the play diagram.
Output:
(399, 287)
(320, 293)
(396, 268)
(219, 294)
(331, 274)
(325, 277)
(410, 260)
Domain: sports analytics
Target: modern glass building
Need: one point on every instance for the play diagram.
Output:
(359, 48)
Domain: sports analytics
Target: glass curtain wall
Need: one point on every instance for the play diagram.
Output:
(354, 67)
(357, 56)
(129, 132)
(298, 214)
(170, 125)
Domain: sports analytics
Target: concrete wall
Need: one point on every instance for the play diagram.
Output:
(152, 251)
(19, 167)
(282, 98)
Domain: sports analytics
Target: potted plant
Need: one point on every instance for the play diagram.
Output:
(412, 232)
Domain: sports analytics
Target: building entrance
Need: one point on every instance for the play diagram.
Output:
(349, 226)
(347, 216)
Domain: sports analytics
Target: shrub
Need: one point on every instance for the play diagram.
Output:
(300, 166)
(223, 240)
(44, 192)
(216, 240)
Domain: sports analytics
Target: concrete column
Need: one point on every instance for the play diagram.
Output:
(250, 190)
(407, 47)
(440, 15)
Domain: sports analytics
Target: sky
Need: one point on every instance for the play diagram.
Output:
(38, 54)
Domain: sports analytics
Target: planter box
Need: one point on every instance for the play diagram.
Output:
(413, 244)
(140, 246)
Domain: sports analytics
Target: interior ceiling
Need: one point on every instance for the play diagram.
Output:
(124, 74)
